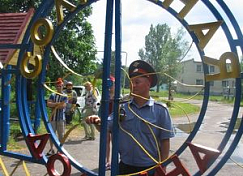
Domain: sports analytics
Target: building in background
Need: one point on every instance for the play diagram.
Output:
(192, 73)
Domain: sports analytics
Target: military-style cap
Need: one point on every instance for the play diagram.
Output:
(140, 67)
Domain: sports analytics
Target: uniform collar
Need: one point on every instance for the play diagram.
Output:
(150, 102)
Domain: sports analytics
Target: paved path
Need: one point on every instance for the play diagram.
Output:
(210, 135)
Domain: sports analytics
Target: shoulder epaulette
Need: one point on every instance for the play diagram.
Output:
(161, 104)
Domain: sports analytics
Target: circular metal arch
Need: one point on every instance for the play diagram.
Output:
(21, 97)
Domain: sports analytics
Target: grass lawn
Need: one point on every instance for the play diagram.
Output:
(179, 109)
(176, 109)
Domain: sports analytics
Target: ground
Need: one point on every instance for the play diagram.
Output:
(210, 135)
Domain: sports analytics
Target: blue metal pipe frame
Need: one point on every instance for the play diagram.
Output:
(22, 105)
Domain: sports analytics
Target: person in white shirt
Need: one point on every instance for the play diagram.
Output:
(90, 108)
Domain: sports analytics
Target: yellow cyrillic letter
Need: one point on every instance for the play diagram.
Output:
(186, 9)
(167, 3)
(59, 5)
(35, 33)
(82, 2)
(221, 63)
(30, 74)
(198, 30)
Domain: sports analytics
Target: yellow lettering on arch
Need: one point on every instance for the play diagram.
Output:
(25, 71)
(59, 5)
(185, 10)
(222, 65)
(167, 3)
(82, 2)
(39, 38)
(198, 30)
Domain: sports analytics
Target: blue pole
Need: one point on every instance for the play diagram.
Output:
(5, 115)
(115, 134)
(105, 92)
(37, 115)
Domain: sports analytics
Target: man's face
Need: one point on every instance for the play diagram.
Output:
(69, 87)
(140, 86)
(88, 87)
(59, 88)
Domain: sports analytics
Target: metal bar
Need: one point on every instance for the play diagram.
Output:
(115, 130)
(13, 46)
(105, 76)
(5, 114)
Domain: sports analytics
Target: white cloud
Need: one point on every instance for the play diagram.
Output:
(138, 15)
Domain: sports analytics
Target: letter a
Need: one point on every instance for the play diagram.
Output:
(208, 155)
(198, 30)
(185, 10)
(59, 4)
(36, 149)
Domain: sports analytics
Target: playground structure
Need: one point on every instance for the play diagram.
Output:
(32, 40)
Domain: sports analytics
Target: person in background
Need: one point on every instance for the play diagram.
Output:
(146, 122)
(72, 100)
(90, 108)
(109, 137)
(57, 102)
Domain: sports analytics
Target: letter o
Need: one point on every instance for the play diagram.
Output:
(35, 35)
(61, 157)
(30, 74)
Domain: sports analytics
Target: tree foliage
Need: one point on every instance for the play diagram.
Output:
(163, 51)
(124, 82)
(16, 6)
(75, 43)
(76, 46)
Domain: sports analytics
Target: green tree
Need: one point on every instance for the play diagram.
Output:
(76, 47)
(164, 51)
(124, 81)
(15, 6)
(75, 43)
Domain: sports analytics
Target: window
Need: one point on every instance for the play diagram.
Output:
(225, 83)
(199, 82)
(211, 83)
(228, 67)
(199, 68)
(211, 69)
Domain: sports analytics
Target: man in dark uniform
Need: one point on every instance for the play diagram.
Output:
(146, 130)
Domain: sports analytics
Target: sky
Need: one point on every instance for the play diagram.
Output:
(138, 15)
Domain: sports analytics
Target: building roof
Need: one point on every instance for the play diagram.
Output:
(12, 30)
(192, 60)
